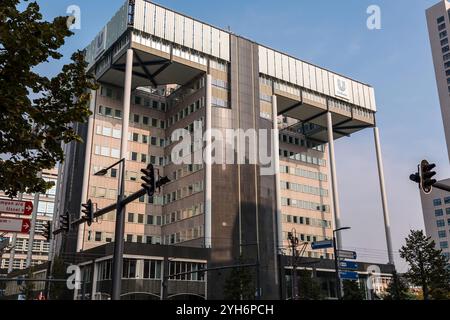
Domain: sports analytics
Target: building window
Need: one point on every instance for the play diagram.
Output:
(129, 269)
(439, 212)
(437, 202)
(444, 244)
(140, 219)
(135, 137)
(136, 118)
(442, 234)
(137, 100)
(129, 238)
(108, 112)
(152, 269)
(134, 156)
(447, 211)
(118, 114)
(440, 223)
(113, 173)
(130, 217)
(98, 236)
(440, 20)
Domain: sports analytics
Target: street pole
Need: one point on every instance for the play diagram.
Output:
(119, 239)
(336, 267)
(33, 227)
(12, 252)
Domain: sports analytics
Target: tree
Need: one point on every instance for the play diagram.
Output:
(398, 289)
(37, 113)
(428, 267)
(239, 284)
(352, 290)
(309, 288)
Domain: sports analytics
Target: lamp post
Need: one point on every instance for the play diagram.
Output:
(336, 264)
(119, 231)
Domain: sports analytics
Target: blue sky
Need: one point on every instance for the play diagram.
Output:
(396, 60)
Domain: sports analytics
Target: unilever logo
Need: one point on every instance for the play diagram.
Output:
(341, 87)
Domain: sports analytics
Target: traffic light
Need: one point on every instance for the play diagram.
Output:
(149, 179)
(162, 181)
(88, 210)
(426, 176)
(64, 222)
(47, 231)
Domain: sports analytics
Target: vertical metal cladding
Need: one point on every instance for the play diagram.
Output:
(289, 69)
(171, 26)
(243, 222)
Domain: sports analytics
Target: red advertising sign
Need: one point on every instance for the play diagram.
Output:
(15, 225)
(16, 207)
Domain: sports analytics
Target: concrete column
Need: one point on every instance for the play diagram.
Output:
(126, 105)
(12, 253)
(32, 227)
(276, 160)
(334, 184)
(208, 164)
(94, 279)
(387, 223)
(87, 166)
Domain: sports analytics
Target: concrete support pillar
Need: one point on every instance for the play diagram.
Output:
(94, 279)
(387, 223)
(126, 105)
(334, 184)
(208, 164)
(276, 160)
(87, 166)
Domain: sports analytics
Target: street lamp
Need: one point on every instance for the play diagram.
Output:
(336, 264)
(119, 231)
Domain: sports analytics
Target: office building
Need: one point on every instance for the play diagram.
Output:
(434, 205)
(161, 71)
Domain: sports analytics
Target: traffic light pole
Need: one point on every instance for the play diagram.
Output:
(119, 240)
(441, 186)
(336, 267)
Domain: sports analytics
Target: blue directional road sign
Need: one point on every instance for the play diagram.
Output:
(322, 244)
(348, 265)
(348, 275)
